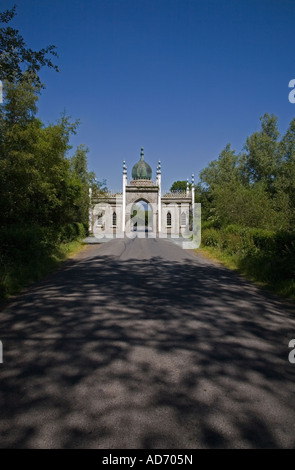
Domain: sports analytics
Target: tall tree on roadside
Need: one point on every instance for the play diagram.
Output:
(79, 171)
(224, 170)
(87, 180)
(36, 185)
(261, 159)
(285, 181)
(219, 174)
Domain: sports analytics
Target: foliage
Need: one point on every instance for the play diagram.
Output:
(86, 180)
(71, 232)
(263, 255)
(44, 195)
(255, 188)
(224, 170)
(248, 206)
(179, 186)
(27, 254)
(260, 162)
(36, 184)
(17, 61)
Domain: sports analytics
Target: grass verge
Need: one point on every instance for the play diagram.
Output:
(18, 274)
(252, 270)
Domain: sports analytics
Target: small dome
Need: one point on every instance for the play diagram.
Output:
(141, 170)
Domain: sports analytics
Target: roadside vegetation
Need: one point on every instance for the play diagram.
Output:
(248, 207)
(44, 186)
(27, 255)
(248, 199)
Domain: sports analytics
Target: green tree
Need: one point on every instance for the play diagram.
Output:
(285, 181)
(221, 171)
(20, 103)
(36, 184)
(287, 143)
(250, 207)
(255, 189)
(179, 186)
(261, 160)
(16, 57)
(79, 163)
(81, 175)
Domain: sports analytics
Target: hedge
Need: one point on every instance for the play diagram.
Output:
(273, 253)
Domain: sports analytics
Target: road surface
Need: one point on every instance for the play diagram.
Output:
(140, 344)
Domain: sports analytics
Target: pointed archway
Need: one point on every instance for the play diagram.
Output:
(141, 216)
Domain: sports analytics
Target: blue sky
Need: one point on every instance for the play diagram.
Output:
(181, 78)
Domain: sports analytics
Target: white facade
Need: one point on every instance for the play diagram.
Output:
(141, 208)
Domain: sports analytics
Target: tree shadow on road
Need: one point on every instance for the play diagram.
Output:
(146, 354)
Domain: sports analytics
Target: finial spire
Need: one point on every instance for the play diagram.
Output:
(159, 168)
(141, 153)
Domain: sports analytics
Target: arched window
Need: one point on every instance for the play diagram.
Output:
(183, 219)
(169, 219)
(114, 218)
(99, 219)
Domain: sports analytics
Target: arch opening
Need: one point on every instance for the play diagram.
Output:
(142, 216)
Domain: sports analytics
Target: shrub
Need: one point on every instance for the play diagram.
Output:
(233, 228)
(210, 224)
(211, 237)
(71, 232)
(263, 254)
(264, 240)
(21, 242)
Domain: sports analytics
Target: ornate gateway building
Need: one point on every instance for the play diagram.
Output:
(141, 209)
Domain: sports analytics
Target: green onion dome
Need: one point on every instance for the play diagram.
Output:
(141, 170)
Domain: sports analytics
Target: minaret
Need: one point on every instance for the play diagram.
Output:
(90, 211)
(124, 196)
(159, 195)
(193, 191)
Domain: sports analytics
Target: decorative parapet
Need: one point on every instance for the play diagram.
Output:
(110, 194)
(176, 195)
(107, 197)
(141, 182)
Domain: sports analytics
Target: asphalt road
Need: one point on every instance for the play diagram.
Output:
(140, 344)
